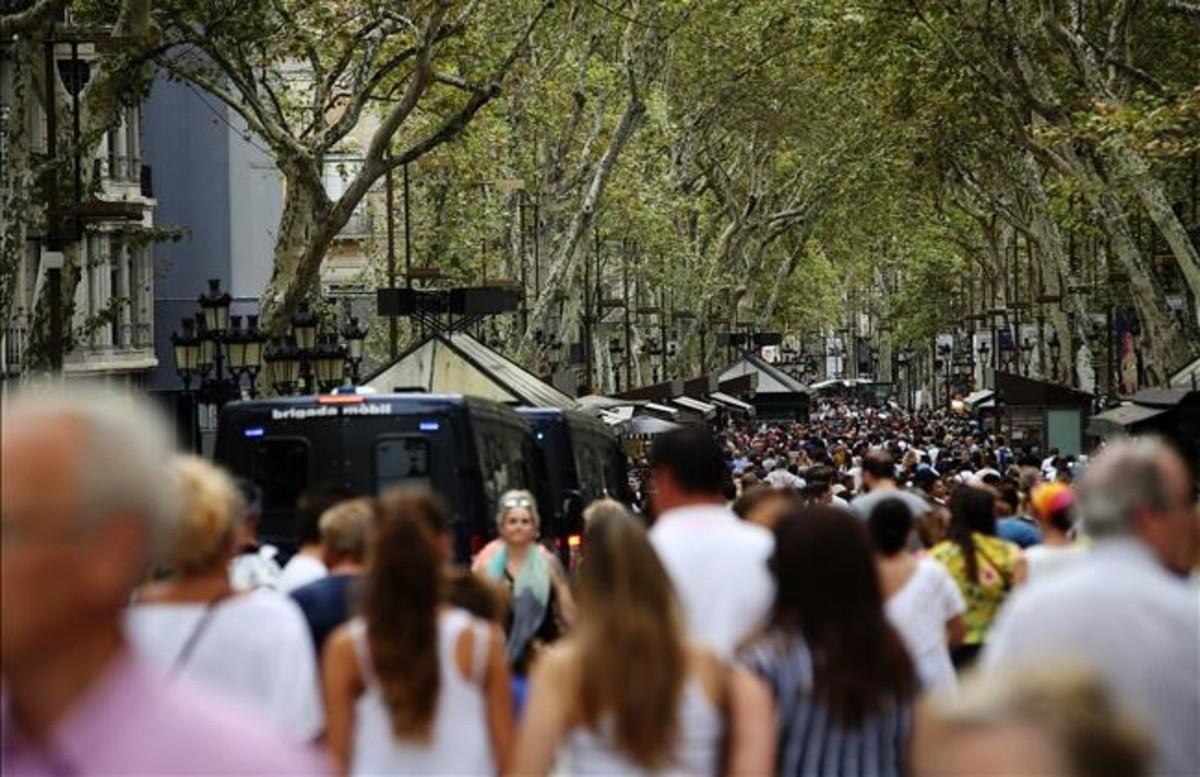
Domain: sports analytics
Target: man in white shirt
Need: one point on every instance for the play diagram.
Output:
(717, 562)
(1126, 610)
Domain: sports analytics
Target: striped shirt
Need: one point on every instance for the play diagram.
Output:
(811, 743)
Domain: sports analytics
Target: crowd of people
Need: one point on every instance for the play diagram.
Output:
(869, 592)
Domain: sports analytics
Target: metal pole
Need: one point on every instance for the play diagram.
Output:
(586, 321)
(524, 268)
(662, 331)
(407, 233)
(77, 157)
(393, 324)
(537, 241)
(628, 326)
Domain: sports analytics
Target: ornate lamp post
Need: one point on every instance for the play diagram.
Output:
(615, 349)
(1027, 346)
(355, 337)
(216, 350)
(1055, 351)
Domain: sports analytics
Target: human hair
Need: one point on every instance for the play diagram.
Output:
(631, 641)
(972, 511)
(750, 499)
(345, 526)
(860, 663)
(600, 508)
(1090, 734)
(889, 524)
(211, 514)
(123, 459)
(401, 594)
(312, 504)
(1126, 476)
(879, 464)
(513, 499)
(692, 457)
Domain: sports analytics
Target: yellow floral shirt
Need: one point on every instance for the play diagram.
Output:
(996, 561)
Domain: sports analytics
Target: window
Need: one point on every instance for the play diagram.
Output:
(502, 463)
(280, 468)
(401, 460)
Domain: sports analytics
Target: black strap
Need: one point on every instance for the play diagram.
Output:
(189, 646)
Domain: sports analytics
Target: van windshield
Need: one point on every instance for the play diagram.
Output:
(280, 468)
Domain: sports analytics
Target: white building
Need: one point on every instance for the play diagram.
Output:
(111, 330)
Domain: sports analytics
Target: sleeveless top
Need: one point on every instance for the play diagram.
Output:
(459, 744)
(698, 751)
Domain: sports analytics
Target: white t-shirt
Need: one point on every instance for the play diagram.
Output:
(255, 648)
(919, 611)
(1045, 561)
(301, 570)
(719, 567)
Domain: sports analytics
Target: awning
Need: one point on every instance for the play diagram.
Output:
(647, 426)
(666, 410)
(1124, 416)
(695, 405)
(731, 402)
(981, 398)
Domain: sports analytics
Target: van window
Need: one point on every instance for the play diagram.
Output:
(401, 460)
(280, 468)
(502, 463)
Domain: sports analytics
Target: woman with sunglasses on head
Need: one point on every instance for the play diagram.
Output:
(628, 692)
(415, 685)
(539, 596)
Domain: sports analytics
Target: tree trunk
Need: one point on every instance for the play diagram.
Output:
(1149, 191)
(562, 267)
(306, 228)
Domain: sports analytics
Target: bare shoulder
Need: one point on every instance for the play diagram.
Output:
(339, 645)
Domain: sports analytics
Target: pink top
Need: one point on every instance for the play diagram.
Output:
(134, 722)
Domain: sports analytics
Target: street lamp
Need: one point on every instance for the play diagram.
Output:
(186, 348)
(1055, 350)
(984, 350)
(215, 307)
(283, 365)
(615, 349)
(355, 337)
(1026, 355)
(329, 362)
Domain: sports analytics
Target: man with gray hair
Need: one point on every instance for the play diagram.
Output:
(1126, 610)
(86, 506)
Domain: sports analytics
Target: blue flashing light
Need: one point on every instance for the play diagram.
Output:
(429, 426)
(254, 431)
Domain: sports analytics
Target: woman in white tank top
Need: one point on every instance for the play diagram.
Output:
(626, 693)
(413, 686)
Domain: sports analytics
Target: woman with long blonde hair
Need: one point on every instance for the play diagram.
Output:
(415, 686)
(627, 692)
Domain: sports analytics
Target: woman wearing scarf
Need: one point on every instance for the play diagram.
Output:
(532, 576)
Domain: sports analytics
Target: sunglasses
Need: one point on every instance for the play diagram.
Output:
(516, 501)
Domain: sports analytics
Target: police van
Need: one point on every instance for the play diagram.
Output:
(584, 462)
(468, 449)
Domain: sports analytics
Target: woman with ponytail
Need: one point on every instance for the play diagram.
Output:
(414, 686)
(626, 692)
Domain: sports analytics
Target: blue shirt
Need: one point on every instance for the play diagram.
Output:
(1019, 530)
(327, 604)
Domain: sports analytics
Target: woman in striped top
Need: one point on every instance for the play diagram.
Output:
(840, 675)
